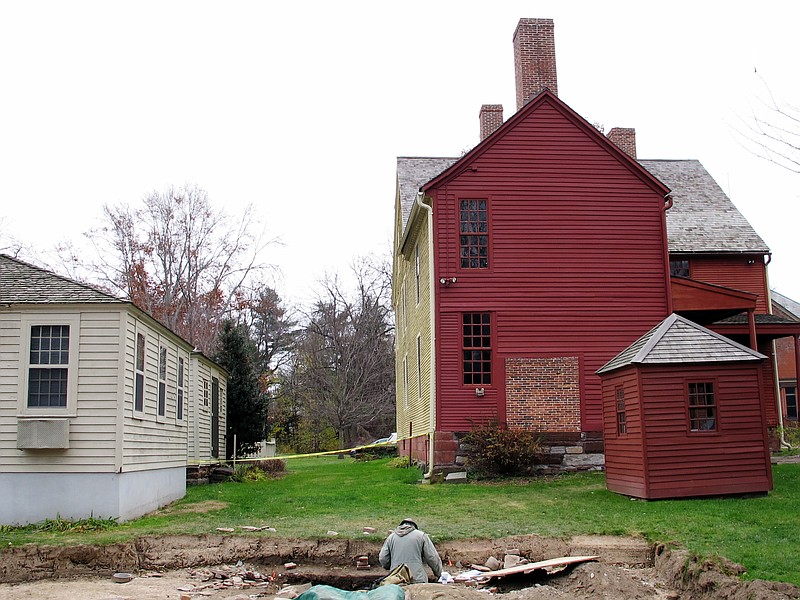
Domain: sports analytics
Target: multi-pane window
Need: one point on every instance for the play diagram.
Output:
(205, 392)
(473, 234)
(622, 421)
(180, 388)
(138, 386)
(679, 268)
(702, 407)
(476, 348)
(48, 360)
(791, 402)
(162, 382)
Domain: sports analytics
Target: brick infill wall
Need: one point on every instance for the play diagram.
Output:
(543, 394)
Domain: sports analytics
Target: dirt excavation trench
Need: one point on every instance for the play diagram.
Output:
(245, 567)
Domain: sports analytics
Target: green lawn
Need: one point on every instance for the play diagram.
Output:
(322, 494)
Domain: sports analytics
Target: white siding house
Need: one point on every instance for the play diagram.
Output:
(98, 404)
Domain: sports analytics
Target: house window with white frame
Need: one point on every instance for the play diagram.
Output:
(205, 392)
(138, 385)
(162, 381)
(181, 374)
(48, 371)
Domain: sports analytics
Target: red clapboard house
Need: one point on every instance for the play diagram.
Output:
(524, 266)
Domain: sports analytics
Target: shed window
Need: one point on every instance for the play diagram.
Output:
(702, 407)
(791, 402)
(138, 387)
(474, 234)
(48, 366)
(477, 348)
(622, 425)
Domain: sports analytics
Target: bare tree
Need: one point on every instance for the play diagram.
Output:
(346, 356)
(9, 244)
(178, 258)
(772, 131)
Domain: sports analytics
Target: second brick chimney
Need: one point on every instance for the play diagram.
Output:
(491, 117)
(625, 139)
(534, 58)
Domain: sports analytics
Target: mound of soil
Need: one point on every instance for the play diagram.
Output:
(172, 567)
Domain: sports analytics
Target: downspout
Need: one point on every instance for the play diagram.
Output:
(782, 443)
(432, 317)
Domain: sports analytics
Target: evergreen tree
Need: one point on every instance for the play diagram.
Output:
(247, 405)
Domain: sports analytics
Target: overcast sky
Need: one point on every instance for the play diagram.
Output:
(301, 108)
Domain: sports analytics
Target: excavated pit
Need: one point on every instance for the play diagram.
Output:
(223, 566)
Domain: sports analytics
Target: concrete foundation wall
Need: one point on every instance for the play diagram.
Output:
(32, 497)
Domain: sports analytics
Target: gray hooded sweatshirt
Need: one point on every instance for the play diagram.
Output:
(409, 545)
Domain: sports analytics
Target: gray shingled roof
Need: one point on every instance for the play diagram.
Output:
(702, 218)
(23, 283)
(412, 174)
(679, 340)
(786, 303)
(760, 319)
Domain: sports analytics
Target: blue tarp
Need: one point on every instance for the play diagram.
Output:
(327, 592)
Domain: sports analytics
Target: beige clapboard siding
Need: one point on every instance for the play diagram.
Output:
(413, 320)
(149, 440)
(9, 375)
(93, 429)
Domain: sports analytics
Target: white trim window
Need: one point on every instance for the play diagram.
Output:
(48, 370)
(50, 376)
(162, 381)
(138, 386)
(181, 375)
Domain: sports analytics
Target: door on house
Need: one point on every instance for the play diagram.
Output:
(215, 417)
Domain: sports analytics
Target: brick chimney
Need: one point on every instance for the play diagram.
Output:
(534, 58)
(625, 139)
(491, 117)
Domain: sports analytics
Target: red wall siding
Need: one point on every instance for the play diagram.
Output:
(625, 467)
(735, 459)
(734, 272)
(787, 365)
(577, 263)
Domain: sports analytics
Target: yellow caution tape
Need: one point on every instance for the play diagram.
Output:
(287, 456)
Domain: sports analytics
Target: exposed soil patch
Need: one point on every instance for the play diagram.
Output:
(200, 507)
(167, 567)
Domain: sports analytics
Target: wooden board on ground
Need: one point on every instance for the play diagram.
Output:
(542, 564)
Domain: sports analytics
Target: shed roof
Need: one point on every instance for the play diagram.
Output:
(679, 340)
(23, 283)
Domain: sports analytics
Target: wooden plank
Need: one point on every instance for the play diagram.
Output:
(542, 564)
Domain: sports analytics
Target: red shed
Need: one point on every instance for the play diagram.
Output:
(683, 416)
